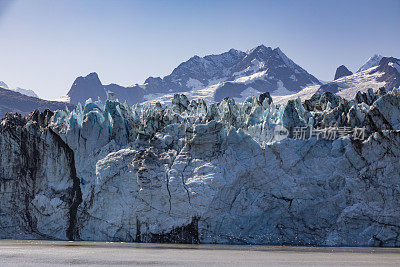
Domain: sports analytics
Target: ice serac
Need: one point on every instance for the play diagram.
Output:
(195, 172)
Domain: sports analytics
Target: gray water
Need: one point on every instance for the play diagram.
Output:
(56, 253)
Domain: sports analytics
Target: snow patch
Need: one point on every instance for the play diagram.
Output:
(26, 92)
(194, 84)
(65, 99)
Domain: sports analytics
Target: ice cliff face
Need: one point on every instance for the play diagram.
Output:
(39, 189)
(211, 173)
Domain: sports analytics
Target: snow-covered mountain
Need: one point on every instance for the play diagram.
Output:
(3, 85)
(27, 92)
(20, 90)
(371, 62)
(384, 74)
(235, 74)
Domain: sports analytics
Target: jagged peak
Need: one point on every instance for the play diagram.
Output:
(3, 85)
(260, 48)
(89, 83)
(389, 59)
(342, 71)
(371, 62)
(376, 56)
(235, 51)
(153, 79)
(92, 75)
(195, 57)
(285, 59)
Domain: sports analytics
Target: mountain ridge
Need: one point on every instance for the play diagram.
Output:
(231, 73)
(385, 74)
(12, 101)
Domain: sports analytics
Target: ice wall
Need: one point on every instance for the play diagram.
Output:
(215, 173)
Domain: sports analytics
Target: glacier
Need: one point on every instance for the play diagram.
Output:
(199, 172)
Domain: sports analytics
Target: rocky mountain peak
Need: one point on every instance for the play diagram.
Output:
(261, 69)
(235, 51)
(260, 49)
(342, 71)
(371, 62)
(390, 69)
(3, 85)
(86, 87)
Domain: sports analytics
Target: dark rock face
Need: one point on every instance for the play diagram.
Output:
(132, 94)
(11, 101)
(39, 190)
(86, 87)
(342, 71)
(90, 86)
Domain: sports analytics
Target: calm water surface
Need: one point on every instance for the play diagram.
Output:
(59, 253)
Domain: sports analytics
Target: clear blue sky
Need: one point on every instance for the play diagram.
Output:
(46, 44)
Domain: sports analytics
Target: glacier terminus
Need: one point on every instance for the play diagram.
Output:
(204, 172)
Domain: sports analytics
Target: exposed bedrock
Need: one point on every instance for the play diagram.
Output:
(198, 173)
